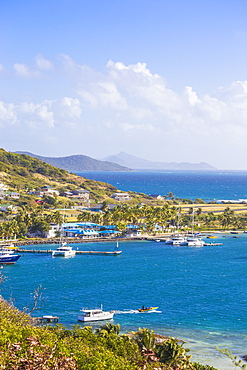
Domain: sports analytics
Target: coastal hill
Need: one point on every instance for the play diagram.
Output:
(20, 171)
(78, 163)
(125, 159)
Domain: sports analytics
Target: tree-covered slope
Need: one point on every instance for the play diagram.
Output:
(79, 163)
(20, 171)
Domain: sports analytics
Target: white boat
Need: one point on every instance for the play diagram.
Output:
(7, 256)
(193, 241)
(175, 240)
(96, 314)
(64, 250)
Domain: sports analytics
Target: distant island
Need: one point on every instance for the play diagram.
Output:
(79, 163)
(118, 162)
(125, 159)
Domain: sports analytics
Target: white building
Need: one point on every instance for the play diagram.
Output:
(121, 196)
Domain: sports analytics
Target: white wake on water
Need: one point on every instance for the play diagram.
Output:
(129, 311)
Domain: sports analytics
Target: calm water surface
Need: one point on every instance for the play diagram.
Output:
(201, 292)
(187, 185)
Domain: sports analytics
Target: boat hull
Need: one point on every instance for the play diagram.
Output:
(63, 254)
(9, 260)
(96, 318)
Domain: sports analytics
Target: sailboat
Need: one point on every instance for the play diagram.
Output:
(116, 250)
(193, 240)
(176, 239)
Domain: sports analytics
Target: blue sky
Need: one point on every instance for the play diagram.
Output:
(163, 80)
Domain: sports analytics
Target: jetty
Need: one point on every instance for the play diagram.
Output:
(49, 251)
(46, 319)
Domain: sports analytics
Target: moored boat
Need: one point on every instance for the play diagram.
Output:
(193, 241)
(96, 314)
(64, 250)
(7, 256)
(175, 240)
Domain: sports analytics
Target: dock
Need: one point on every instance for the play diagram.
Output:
(212, 244)
(49, 251)
(46, 319)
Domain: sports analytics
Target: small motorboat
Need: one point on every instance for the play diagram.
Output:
(146, 309)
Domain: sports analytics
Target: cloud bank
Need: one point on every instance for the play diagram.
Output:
(124, 107)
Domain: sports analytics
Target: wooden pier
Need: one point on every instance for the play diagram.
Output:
(46, 319)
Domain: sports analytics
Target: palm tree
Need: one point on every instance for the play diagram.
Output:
(227, 217)
(145, 338)
(109, 328)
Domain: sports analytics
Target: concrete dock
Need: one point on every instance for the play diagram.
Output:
(49, 251)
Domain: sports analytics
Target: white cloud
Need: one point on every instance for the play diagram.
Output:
(130, 104)
(35, 115)
(7, 114)
(24, 71)
(42, 63)
(191, 96)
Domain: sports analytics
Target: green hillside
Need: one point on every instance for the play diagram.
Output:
(79, 163)
(20, 171)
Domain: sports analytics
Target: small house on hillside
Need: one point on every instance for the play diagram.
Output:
(7, 207)
(12, 195)
(157, 196)
(121, 196)
(47, 190)
(81, 194)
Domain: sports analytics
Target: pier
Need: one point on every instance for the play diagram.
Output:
(46, 319)
(49, 251)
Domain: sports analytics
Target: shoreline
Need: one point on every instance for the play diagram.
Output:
(75, 240)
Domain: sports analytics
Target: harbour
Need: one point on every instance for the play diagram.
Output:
(199, 291)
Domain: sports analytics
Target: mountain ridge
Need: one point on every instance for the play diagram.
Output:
(134, 162)
(78, 162)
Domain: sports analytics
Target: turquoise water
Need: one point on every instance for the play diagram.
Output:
(214, 185)
(201, 292)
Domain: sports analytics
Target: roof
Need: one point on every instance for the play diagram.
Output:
(82, 232)
(79, 224)
(108, 232)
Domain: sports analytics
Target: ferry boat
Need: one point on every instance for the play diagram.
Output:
(145, 309)
(64, 250)
(96, 314)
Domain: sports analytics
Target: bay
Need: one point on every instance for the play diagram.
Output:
(200, 292)
(209, 186)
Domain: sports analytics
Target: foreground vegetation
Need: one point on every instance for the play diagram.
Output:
(26, 346)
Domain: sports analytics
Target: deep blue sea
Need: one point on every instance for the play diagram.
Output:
(213, 185)
(201, 292)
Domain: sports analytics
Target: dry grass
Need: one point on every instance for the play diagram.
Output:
(215, 208)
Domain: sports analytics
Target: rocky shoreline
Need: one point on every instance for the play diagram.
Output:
(68, 240)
